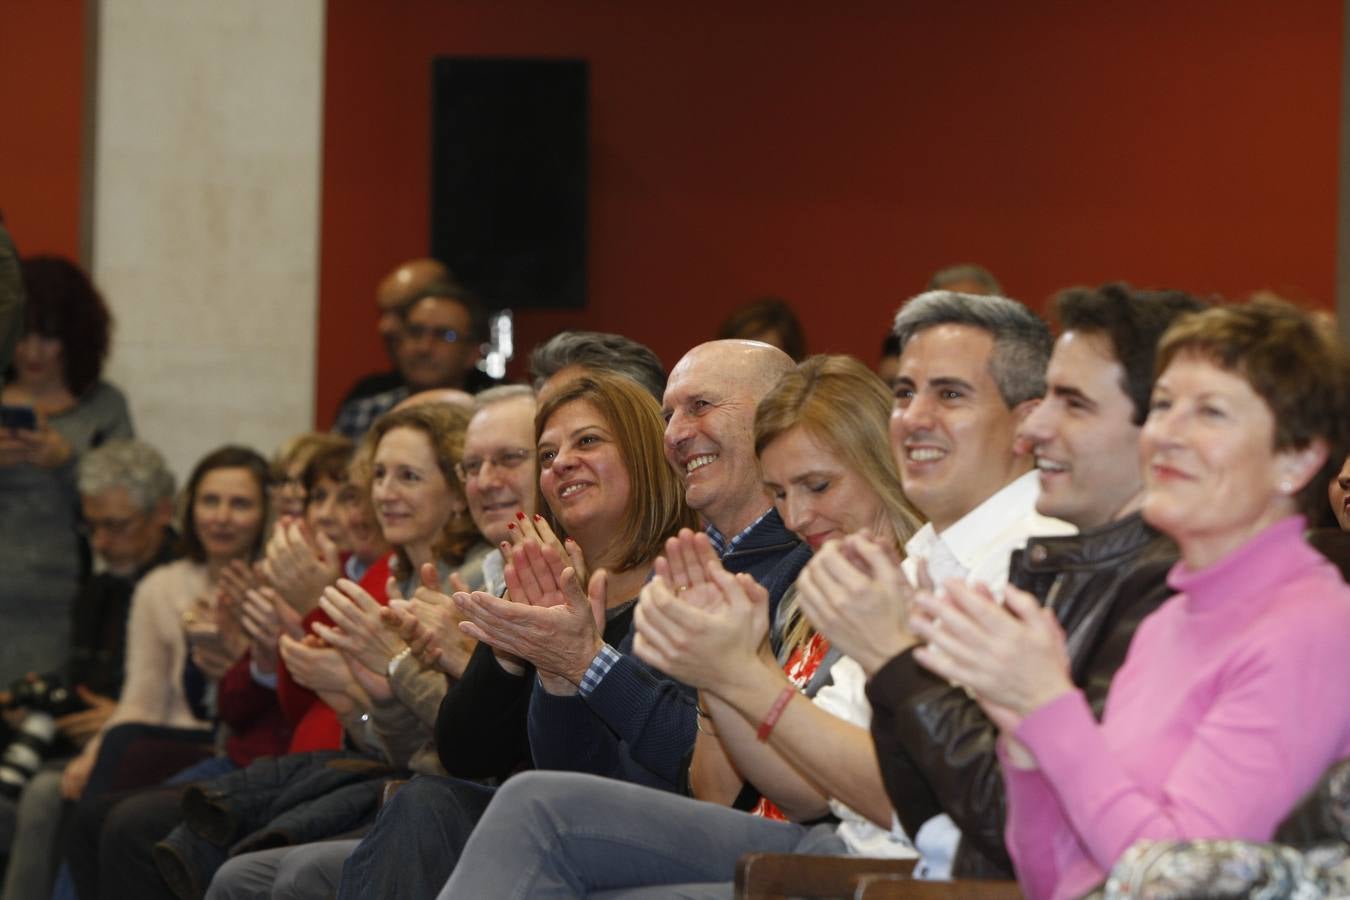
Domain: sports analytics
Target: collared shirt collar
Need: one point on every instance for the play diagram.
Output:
(722, 545)
(1001, 523)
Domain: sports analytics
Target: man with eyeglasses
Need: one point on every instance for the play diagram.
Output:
(498, 469)
(439, 343)
(126, 492)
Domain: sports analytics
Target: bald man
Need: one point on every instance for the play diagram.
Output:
(392, 296)
(437, 340)
(608, 713)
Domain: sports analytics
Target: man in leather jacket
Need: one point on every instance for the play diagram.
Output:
(935, 745)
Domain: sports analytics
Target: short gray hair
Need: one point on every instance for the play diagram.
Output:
(1022, 341)
(602, 352)
(945, 278)
(130, 464)
(501, 393)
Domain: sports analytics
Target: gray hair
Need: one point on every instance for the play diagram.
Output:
(602, 352)
(1022, 341)
(945, 278)
(501, 393)
(130, 464)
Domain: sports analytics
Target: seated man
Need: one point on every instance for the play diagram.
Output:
(935, 745)
(438, 344)
(392, 295)
(126, 492)
(970, 373)
(714, 391)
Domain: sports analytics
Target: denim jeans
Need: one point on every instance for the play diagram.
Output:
(416, 840)
(563, 834)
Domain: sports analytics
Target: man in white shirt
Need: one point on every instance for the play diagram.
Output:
(971, 370)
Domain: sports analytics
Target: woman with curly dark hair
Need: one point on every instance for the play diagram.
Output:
(58, 407)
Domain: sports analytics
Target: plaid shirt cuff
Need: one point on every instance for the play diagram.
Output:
(599, 668)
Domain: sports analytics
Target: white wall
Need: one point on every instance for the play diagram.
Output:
(207, 154)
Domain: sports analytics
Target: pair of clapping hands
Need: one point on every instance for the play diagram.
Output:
(255, 605)
(552, 616)
(1008, 652)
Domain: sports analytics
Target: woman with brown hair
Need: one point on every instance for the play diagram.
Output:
(57, 407)
(821, 435)
(615, 500)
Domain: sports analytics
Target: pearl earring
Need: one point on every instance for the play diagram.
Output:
(1286, 487)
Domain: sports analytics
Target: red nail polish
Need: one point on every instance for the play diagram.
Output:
(538, 518)
(520, 516)
(511, 526)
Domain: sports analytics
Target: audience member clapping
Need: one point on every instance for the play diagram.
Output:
(609, 491)
(821, 436)
(1234, 696)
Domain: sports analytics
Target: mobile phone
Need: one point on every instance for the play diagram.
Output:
(18, 418)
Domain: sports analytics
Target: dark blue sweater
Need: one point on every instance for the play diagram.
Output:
(638, 724)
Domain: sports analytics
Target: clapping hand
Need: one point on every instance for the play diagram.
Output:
(1011, 657)
(854, 592)
(548, 619)
(360, 632)
(709, 642)
(266, 617)
(324, 671)
(300, 563)
(429, 624)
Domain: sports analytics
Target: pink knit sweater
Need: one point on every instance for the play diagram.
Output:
(1234, 698)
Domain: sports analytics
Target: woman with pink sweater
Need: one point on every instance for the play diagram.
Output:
(1235, 695)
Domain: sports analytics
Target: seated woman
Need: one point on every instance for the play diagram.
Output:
(608, 488)
(56, 376)
(1235, 694)
(226, 508)
(350, 674)
(409, 456)
(825, 457)
(287, 487)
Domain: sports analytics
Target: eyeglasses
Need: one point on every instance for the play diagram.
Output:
(509, 458)
(415, 332)
(114, 527)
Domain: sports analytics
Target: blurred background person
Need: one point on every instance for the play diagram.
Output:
(226, 506)
(68, 409)
(286, 488)
(1338, 492)
(966, 278)
(392, 294)
(571, 353)
(11, 297)
(439, 345)
(126, 490)
(888, 366)
(770, 320)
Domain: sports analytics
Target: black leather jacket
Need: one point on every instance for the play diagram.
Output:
(935, 746)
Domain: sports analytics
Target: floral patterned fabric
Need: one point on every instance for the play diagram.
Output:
(1219, 870)
(1313, 863)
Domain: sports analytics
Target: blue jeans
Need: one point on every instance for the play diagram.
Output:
(563, 834)
(415, 842)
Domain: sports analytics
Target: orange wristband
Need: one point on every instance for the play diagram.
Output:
(775, 713)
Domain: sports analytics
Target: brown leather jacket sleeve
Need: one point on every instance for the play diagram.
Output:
(936, 747)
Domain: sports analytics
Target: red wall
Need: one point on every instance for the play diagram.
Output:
(41, 96)
(835, 156)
